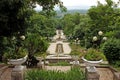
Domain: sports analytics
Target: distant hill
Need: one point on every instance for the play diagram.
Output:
(72, 11)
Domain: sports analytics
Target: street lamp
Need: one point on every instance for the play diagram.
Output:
(98, 40)
(77, 41)
(22, 37)
(95, 38)
(104, 38)
(100, 33)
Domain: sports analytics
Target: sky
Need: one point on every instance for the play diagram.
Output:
(82, 4)
(79, 4)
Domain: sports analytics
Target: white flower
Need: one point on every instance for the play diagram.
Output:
(105, 38)
(95, 38)
(76, 38)
(100, 33)
(22, 37)
(13, 38)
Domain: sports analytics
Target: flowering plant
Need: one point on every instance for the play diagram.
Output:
(93, 55)
(15, 48)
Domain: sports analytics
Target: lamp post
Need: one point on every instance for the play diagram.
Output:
(98, 39)
(77, 42)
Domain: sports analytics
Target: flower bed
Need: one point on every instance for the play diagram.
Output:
(73, 74)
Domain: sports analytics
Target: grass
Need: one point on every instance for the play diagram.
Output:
(73, 74)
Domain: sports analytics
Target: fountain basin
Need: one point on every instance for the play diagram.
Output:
(56, 58)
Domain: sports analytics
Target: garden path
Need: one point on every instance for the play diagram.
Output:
(6, 74)
(105, 74)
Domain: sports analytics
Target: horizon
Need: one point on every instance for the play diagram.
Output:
(85, 4)
(39, 8)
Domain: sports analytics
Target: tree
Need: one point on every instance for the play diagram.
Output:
(15, 14)
(34, 44)
(103, 15)
(12, 16)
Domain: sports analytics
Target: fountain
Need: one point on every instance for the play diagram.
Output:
(59, 50)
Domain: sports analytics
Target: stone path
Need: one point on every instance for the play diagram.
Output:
(6, 74)
(105, 74)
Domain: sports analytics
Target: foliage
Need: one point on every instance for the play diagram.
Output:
(48, 6)
(12, 16)
(111, 49)
(42, 25)
(34, 44)
(14, 47)
(73, 74)
(77, 50)
(14, 13)
(94, 55)
(103, 15)
(11, 54)
(15, 16)
(74, 52)
(116, 65)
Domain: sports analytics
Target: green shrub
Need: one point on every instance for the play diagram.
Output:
(75, 52)
(111, 49)
(12, 54)
(94, 55)
(73, 74)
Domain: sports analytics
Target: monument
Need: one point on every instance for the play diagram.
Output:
(59, 35)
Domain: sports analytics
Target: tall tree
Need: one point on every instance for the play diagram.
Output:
(14, 15)
(103, 15)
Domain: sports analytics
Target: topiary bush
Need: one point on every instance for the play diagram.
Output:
(111, 49)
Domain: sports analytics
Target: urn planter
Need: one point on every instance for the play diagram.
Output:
(91, 64)
(18, 62)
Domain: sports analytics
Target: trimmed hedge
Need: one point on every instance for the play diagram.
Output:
(111, 49)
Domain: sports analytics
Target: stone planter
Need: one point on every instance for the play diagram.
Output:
(91, 64)
(18, 62)
(19, 70)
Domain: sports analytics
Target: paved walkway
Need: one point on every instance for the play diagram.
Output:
(105, 74)
(6, 74)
